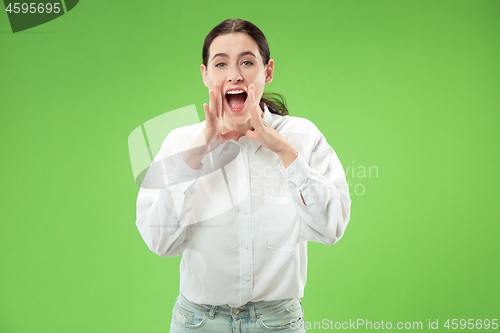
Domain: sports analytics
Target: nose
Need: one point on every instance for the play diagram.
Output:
(234, 75)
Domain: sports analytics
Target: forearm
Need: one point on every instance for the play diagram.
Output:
(320, 198)
(196, 151)
(287, 155)
(155, 225)
(165, 204)
(326, 212)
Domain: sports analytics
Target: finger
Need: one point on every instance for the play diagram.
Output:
(220, 101)
(217, 99)
(215, 112)
(251, 100)
(229, 135)
(251, 135)
(255, 114)
(208, 116)
(213, 108)
(211, 101)
(251, 92)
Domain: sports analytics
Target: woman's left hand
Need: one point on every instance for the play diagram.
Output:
(266, 135)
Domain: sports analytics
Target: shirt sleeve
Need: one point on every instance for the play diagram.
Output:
(323, 187)
(165, 203)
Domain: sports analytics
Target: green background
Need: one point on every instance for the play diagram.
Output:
(408, 87)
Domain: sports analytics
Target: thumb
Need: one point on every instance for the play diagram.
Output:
(230, 135)
(251, 135)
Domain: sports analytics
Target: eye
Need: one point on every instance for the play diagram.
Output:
(220, 65)
(247, 63)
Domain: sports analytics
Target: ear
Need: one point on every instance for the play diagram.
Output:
(269, 71)
(204, 74)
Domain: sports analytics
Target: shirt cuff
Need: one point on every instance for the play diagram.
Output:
(297, 172)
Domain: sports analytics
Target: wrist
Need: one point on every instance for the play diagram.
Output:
(288, 155)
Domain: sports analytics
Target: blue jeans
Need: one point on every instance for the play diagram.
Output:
(285, 315)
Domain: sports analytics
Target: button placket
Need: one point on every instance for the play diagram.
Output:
(246, 233)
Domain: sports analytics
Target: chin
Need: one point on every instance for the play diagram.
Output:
(238, 118)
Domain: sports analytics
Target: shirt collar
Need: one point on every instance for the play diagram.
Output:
(268, 118)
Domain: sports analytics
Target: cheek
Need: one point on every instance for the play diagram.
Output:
(214, 77)
(259, 81)
(258, 78)
(259, 91)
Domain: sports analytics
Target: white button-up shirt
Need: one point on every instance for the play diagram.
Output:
(239, 222)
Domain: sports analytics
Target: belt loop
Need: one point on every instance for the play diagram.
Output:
(211, 314)
(252, 312)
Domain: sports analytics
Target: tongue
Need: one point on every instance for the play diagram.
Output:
(236, 101)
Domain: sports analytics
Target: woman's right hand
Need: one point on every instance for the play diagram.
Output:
(211, 136)
(214, 119)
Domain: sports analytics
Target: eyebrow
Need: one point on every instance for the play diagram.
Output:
(239, 56)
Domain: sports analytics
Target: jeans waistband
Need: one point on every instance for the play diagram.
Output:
(250, 309)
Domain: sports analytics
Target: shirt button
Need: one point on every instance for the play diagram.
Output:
(245, 212)
(247, 247)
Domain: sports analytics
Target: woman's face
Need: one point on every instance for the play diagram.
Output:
(234, 63)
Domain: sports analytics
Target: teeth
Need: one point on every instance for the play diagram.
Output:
(233, 92)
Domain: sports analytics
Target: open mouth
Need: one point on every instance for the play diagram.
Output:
(236, 99)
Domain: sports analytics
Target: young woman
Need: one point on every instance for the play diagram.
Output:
(240, 194)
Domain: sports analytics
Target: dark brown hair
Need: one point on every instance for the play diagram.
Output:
(275, 102)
